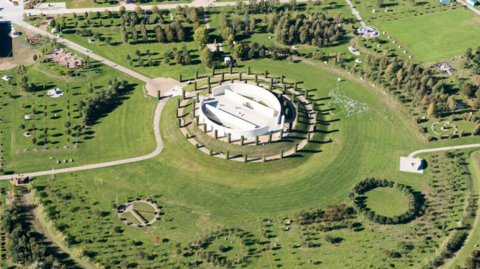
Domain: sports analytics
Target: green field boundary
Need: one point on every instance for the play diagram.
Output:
(474, 234)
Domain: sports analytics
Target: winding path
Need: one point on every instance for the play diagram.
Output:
(158, 138)
(442, 149)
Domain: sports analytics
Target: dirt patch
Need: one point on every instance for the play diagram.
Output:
(44, 24)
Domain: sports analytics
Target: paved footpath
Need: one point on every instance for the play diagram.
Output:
(356, 13)
(442, 149)
(157, 151)
(469, 6)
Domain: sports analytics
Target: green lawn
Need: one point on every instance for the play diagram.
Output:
(71, 4)
(121, 129)
(199, 192)
(130, 218)
(143, 206)
(386, 202)
(118, 51)
(437, 36)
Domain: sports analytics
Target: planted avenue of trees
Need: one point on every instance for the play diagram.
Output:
(22, 247)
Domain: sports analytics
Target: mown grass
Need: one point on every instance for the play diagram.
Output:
(121, 128)
(386, 202)
(199, 192)
(143, 206)
(436, 36)
(130, 218)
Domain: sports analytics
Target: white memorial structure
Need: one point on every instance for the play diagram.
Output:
(241, 109)
(414, 165)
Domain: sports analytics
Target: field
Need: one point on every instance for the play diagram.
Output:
(386, 201)
(200, 194)
(71, 4)
(291, 213)
(122, 127)
(432, 37)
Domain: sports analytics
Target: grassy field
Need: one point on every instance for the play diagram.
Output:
(143, 206)
(387, 202)
(71, 4)
(120, 129)
(130, 218)
(199, 192)
(118, 51)
(436, 36)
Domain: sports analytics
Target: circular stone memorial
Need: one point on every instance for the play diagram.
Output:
(55, 93)
(138, 213)
(368, 31)
(241, 110)
(444, 128)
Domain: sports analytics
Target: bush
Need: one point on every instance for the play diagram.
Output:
(429, 138)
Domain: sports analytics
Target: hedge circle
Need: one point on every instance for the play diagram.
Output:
(358, 200)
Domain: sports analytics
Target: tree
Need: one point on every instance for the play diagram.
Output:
(476, 104)
(159, 34)
(379, 3)
(154, 9)
(238, 51)
(125, 37)
(186, 57)
(467, 89)
(432, 110)
(227, 35)
(205, 57)
(134, 35)
(201, 36)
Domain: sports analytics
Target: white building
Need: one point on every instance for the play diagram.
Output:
(241, 109)
(414, 165)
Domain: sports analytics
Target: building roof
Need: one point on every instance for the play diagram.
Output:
(414, 165)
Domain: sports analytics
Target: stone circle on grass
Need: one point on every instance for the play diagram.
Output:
(274, 134)
(138, 213)
(368, 31)
(55, 92)
(446, 128)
